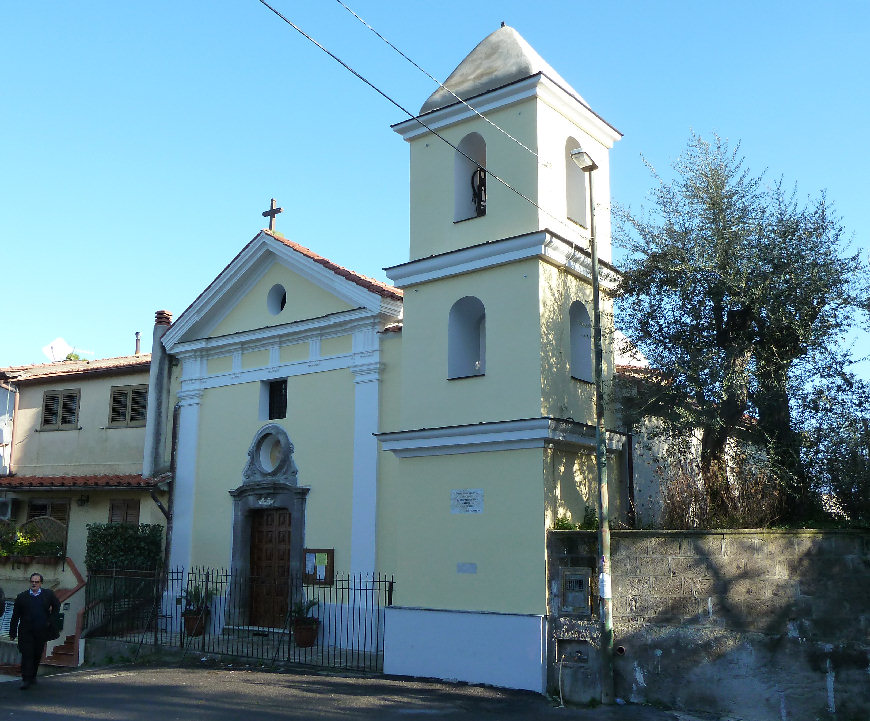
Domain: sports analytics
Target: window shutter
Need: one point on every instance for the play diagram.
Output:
(36, 509)
(50, 407)
(59, 512)
(121, 511)
(118, 408)
(116, 512)
(69, 408)
(132, 514)
(138, 404)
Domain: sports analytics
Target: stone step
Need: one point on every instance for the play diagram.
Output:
(64, 654)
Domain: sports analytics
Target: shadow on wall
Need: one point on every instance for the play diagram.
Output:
(756, 624)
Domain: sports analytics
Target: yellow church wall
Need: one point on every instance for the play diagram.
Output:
(553, 131)
(223, 364)
(390, 387)
(320, 425)
(294, 352)
(510, 388)
(562, 395)
(433, 229)
(571, 481)
(336, 346)
(304, 300)
(92, 448)
(255, 359)
(390, 394)
(506, 542)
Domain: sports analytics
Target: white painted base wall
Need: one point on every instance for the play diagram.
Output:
(499, 649)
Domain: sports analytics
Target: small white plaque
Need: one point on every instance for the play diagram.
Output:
(604, 586)
(466, 500)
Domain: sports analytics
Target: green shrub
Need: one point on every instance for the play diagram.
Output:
(124, 546)
(15, 542)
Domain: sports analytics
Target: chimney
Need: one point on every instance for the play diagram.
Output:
(158, 398)
(138, 346)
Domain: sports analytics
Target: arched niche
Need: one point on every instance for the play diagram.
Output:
(469, 178)
(581, 342)
(466, 338)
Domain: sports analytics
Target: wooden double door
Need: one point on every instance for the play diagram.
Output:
(270, 567)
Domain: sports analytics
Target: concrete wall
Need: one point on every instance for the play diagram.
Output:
(752, 624)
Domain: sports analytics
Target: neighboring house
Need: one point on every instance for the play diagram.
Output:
(7, 408)
(434, 429)
(76, 448)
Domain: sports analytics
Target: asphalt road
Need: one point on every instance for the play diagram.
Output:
(130, 693)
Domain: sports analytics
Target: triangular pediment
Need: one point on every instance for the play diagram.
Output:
(274, 282)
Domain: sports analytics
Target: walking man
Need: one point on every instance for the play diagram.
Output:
(31, 622)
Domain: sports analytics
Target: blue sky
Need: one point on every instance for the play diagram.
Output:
(139, 142)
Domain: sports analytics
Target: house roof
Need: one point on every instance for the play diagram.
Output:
(376, 286)
(501, 58)
(61, 482)
(65, 369)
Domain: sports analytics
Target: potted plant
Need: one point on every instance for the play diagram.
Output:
(197, 609)
(305, 626)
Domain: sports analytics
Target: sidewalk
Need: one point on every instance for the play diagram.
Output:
(131, 693)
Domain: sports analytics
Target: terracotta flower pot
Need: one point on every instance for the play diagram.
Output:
(305, 632)
(195, 622)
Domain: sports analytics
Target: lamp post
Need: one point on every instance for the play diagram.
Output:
(605, 600)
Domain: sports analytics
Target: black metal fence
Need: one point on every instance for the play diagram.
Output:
(211, 611)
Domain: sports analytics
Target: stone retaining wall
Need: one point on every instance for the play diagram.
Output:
(752, 624)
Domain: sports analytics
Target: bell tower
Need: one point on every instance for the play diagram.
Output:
(494, 435)
(495, 197)
(505, 168)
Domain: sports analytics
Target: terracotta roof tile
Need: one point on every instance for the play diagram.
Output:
(37, 371)
(376, 286)
(93, 481)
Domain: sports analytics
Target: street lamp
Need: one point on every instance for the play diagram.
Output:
(605, 601)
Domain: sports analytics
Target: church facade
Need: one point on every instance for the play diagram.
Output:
(434, 428)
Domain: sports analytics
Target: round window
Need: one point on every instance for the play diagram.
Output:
(276, 299)
(269, 452)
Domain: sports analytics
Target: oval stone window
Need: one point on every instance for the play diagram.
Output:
(277, 299)
(269, 452)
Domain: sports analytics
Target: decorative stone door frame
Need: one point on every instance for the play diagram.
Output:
(268, 481)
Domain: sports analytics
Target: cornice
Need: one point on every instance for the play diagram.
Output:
(495, 436)
(300, 331)
(543, 245)
(538, 85)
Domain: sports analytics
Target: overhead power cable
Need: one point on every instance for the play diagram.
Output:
(444, 87)
(412, 116)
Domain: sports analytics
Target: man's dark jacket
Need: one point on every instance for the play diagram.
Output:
(20, 623)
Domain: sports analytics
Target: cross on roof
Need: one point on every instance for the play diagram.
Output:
(271, 213)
